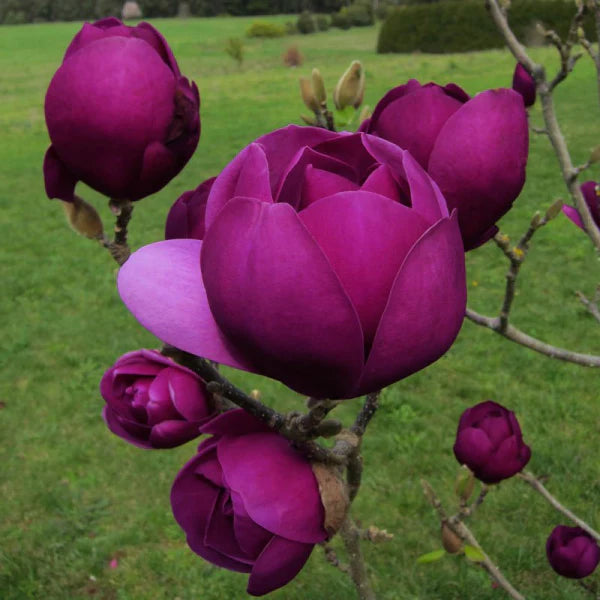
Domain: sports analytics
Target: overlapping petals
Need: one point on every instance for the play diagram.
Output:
(153, 402)
(490, 443)
(475, 149)
(249, 502)
(329, 262)
(591, 195)
(120, 115)
(572, 552)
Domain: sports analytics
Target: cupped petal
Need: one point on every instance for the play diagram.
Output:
(159, 406)
(425, 309)
(170, 434)
(472, 448)
(350, 149)
(134, 433)
(381, 181)
(186, 217)
(473, 416)
(238, 178)
(276, 484)
(278, 564)
(292, 181)
(414, 120)
(281, 145)
(591, 195)
(412, 85)
(497, 428)
(59, 181)
(155, 38)
(188, 395)
(251, 537)
(275, 296)
(366, 238)
(193, 499)
(524, 84)
(159, 166)
(479, 159)
(318, 183)
(161, 284)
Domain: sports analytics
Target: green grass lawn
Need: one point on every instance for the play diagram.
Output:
(73, 496)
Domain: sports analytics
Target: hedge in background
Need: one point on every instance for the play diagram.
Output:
(464, 25)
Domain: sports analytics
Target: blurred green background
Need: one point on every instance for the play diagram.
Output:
(73, 497)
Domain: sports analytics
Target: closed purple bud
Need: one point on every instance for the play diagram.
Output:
(475, 149)
(249, 502)
(591, 195)
(120, 115)
(572, 552)
(490, 443)
(524, 83)
(186, 217)
(153, 402)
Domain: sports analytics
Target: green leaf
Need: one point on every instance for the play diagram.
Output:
(431, 556)
(474, 554)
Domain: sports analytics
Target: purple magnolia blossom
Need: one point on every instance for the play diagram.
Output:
(249, 502)
(475, 149)
(490, 443)
(120, 115)
(591, 195)
(572, 552)
(186, 217)
(524, 84)
(153, 402)
(330, 262)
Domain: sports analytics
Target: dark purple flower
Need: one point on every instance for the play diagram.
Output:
(153, 402)
(120, 115)
(249, 502)
(475, 149)
(591, 195)
(186, 217)
(572, 552)
(524, 84)
(330, 262)
(490, 443)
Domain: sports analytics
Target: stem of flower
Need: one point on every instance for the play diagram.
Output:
(350, 535)
(537, 485)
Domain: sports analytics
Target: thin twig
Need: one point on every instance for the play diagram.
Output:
(367, 412)
(332, 558)
(591, 305)
(551, 124)
(351, 537)
(464, 533)
(467, 511)
(537, 485)
(520, 337)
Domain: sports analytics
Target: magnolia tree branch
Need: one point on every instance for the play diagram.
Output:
(537, 485)
(457, 526)
(591, 305)
(350, 535)
(552, 127)
(118, 248)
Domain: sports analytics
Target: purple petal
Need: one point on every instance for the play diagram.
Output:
(524, 84)
(234, 176)
(251, 537)
(381, 181)
(479, 159)
(258, 259)
(414, 121)
(159, 406)
(59, 181)
(472, 417)
(472, 448)
(412, 85)
(192, 500)
(170, 434)
(276, 484)
(159, 166)
(152, 36)
(425, 310)
(356, 231)
(135, 434)
(161, 284)
(351, 150)
(573, 215)
(497, 429)
(188, 395)
(186, 217)
(318, 184)
(278, 564)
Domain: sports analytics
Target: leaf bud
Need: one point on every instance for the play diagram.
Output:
(308, 96)
(554, 210)
(450, 541)
(350, 89)
(319, 86)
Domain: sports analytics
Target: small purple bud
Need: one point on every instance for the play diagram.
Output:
(572, 552)
(524, 83)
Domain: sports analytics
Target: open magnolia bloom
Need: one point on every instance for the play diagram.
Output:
(329, 262)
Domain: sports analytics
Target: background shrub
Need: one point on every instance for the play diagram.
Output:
(464, 25)
(265, 30)
(323, 22)
(306, 23)
(341, 20)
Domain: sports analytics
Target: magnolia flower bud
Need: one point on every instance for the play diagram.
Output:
(308, 95)
(350, 89)
(318, 86)
(84, 218)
